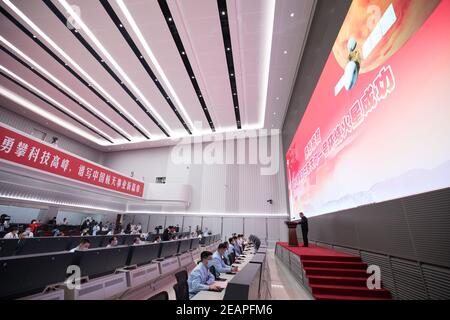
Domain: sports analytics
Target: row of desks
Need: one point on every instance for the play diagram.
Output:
(212, 295)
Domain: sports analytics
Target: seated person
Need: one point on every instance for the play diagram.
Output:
(13, 234)
(201, 278)
(137, 241)
(236, 246)
(157, 239)
(218, 263)
(84, 245)
(112, 242)
(28, 233)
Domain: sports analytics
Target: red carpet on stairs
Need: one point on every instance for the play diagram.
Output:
(334, 275)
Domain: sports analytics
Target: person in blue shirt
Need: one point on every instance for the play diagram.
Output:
(236, 246)
(218, 262)
(201, 278)
(230, 248)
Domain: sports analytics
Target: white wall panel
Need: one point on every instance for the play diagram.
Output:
(214, 224)
(256, 226)
(216, 188)
(193, 222)
(19, 214)
(232, 225)
(156, 220)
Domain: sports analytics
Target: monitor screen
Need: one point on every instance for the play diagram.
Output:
(185, 245)
(376, 126)
(168, 248)
(143, 254)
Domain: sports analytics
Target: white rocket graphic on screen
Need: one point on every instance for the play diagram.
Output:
(351, 71)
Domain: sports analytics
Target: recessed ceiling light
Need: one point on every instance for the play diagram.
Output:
(120, 25)
(285, 52)
(274, 113)
(292, 14)
(193, 77)
(170, 19)
(231, 74)
(228, 49)
(223, 13)
(182, 52)
(278, 98)
(281, 78)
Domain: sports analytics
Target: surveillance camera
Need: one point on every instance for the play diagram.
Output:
(270, 201)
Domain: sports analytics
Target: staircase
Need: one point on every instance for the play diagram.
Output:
(339, 278)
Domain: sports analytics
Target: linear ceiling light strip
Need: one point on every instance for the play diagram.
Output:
(160, 71)
(102, 62)
(112, 14)
(40, 75)
(223, 15)
(183, 55)
(4, 73)
(59, 85)
(119, 109)
(11, 95)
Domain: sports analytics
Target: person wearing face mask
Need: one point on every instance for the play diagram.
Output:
(112, 242)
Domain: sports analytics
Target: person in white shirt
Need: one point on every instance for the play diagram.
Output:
(28, 233)
(84, 245)
(13, 234)
(112, 242)
(95, 229)
(137, 241)
(65, 222)
(206, 232)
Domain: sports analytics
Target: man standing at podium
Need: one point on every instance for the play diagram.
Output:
(304, 226)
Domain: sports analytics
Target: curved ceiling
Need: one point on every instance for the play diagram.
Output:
(134, 73)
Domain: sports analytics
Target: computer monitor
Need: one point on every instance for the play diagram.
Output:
(8, 247)
(101, 261)
(168, 248)
(185, 245)
(42, 245)
(28, 274)
(143, 253)
(195, 243)
(245, 285)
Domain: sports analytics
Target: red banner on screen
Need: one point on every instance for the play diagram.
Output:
(26, 151)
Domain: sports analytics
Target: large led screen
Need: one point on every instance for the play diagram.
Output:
(377, 126)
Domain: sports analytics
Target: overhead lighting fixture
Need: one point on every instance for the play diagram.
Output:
(278, 98)
(285, 52)
(155, 62)
(61, 84)
(42, 94)
(281, 78)
(292, 14)
(223, 13)
(269, 11)
(42, 112)
(68, 58)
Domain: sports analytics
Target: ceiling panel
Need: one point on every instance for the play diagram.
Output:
(96, 70)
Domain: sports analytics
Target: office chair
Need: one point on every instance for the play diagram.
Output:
(181, 290)
(160, 296)
(181, 276)
(216, 274)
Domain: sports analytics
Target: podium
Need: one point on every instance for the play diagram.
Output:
(292, 226)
